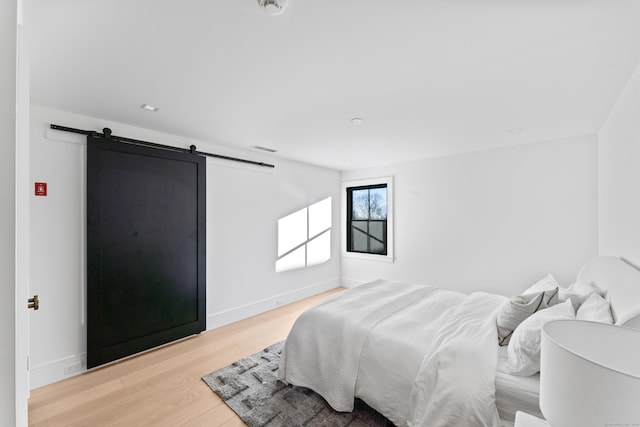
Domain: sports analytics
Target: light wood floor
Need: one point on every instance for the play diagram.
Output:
(163, 387)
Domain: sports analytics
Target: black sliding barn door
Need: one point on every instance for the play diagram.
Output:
(145, 248)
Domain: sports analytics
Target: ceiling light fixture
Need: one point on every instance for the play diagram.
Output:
(148, 107)
(516, 130)
(357, 121)
(273, 7)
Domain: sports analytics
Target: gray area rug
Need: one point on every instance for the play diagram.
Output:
(250, 387)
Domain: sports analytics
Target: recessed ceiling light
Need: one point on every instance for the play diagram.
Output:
(516, 130)
(148, 107)
(357, 121)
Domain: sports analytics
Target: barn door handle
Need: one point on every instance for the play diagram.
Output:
(34, 302)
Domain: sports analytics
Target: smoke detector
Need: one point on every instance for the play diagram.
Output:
(273, 7)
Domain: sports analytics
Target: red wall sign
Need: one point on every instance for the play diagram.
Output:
(41, 188)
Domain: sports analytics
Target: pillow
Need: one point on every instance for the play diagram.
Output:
(576, 299)
(586, 289)
(545, 284)
(548, 283)
(514, 311)
(579, 292)
(523, 353)
(595, 309)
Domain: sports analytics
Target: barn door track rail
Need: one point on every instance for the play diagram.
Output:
(192, 149)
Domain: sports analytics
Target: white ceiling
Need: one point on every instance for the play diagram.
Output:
(429, 78)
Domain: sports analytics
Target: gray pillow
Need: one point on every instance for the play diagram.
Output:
(514, 311)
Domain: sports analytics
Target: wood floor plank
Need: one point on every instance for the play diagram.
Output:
(68, 402)
(163, 387)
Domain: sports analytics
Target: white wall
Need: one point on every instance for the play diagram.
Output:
(619, 158)
(8, 43)
(494, 220)
(243, 206)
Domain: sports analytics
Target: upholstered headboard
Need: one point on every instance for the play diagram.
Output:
(622, 282)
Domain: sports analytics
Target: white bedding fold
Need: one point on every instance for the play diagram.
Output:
(456, 382)
(323, 350)
(393, 353)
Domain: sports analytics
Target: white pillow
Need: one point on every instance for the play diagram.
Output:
(579, 292)
(595, 309)
(549, 283)
(523, 353)
(545, 284)
(518, 308)
(576, 299)
(586, 289)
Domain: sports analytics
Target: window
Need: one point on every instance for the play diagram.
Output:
(368, 209)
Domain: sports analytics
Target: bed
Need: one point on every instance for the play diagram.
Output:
(424, 356)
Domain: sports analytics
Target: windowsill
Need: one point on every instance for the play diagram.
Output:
(368, 257)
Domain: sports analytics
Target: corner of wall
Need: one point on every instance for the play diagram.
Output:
(610, 117)
(618, 173)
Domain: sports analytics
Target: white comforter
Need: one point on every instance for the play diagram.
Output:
(420, 355)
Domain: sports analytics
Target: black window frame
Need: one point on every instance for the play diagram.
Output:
(350, 220)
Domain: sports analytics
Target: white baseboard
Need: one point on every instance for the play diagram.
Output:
(235, 314)
(51, 372)
(351, 283)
